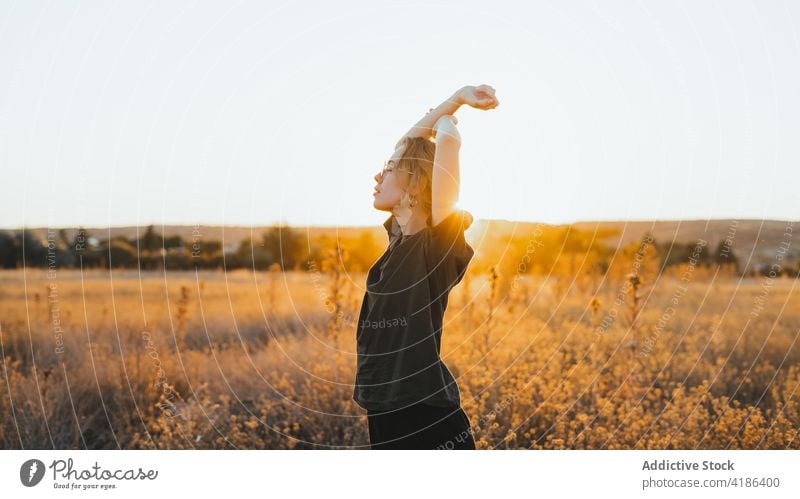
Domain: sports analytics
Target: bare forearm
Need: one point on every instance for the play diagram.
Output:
(423, 128)
(446, 170)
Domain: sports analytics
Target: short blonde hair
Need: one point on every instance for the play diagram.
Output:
(417, 159)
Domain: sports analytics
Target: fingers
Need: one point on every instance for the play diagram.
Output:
(487, 88)
(492, 101)
(487, 96)
(483, 97)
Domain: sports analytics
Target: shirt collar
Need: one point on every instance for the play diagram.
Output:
(388, 224)
(392, 227)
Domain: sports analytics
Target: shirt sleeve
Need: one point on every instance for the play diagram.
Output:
(450, 253)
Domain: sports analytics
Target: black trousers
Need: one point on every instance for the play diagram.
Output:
(420, 426)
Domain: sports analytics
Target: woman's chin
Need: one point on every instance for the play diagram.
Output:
(380, 206)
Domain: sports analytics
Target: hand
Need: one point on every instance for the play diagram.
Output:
(447, 126)
(480, 97)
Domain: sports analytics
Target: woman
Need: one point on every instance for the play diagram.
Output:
(412, 400)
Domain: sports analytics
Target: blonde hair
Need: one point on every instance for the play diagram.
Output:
(418, 160)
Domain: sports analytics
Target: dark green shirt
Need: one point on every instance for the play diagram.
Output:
(399, 329)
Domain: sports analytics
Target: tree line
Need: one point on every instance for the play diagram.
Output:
(283, 246)
(550, 250)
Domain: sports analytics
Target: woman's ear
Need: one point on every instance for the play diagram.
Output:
(402, 211)
(415, 184)
(417, 189)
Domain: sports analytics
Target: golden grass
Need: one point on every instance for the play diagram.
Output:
(255, 361)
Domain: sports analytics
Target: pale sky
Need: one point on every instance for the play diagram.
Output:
(252, 113)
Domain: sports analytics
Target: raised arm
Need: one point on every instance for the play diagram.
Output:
(424, 127)
(446, 180)
(480, 97)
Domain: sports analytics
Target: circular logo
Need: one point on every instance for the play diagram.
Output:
(31, 472)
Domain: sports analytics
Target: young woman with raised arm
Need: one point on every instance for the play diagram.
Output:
(411, 398)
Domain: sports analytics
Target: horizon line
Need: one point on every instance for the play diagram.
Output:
(281, 224)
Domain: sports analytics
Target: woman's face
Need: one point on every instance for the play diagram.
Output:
(391, 183)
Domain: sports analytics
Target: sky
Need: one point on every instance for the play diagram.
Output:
(255, 113)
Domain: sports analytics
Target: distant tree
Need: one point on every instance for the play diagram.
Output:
(674, 253)
(151, 241)
(284, 246)
(150, 245)
(87, 250)
(207, 254)
(58, 243)
(8, 251)
(175, 241)
(204, 247)
(704, 256)
(249, 255)
(118, 252)
(30, 251)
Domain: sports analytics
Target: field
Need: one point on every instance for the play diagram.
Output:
(688, 359)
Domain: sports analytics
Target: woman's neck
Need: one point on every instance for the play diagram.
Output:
(416, 222)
